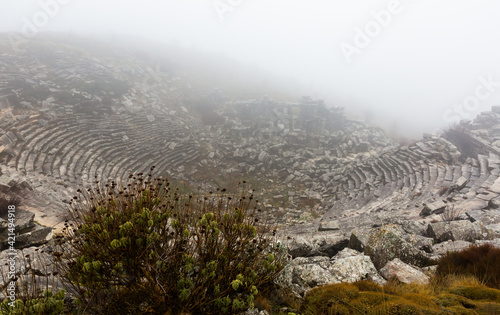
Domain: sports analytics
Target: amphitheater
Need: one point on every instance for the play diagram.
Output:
(319, 173)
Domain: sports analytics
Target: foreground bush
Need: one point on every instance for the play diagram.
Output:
(483, 262)
(143, 248)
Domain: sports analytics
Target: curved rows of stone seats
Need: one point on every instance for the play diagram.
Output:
(32, 137)
(407, 179)
(78, 148)
(397, 172)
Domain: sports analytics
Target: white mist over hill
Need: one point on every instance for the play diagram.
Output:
(410, 66)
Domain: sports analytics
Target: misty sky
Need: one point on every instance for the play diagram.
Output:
(413, 66)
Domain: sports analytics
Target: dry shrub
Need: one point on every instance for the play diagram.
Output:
(400, 288)
(458, 280)
(366, 285)
(330, 299)
(263, 303)
(365, 298)
(482, 262)
(143, 248)
(451, 213)
(477, 293)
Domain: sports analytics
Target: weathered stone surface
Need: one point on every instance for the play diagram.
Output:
(485, 216)
(403, 272)
(420, 242)
(492, 230)
(39, 259)
(300, 247)
(388, 242)
(463, 230)
(410, 226)
(3, 225)
(262, 156)
(494, 203)
(330, 245)
(429, 271)
(347, 252)
(496, 186)
(433, 208)
(347, 266)
(5, 184)
(329, 226)
(322, 244)
(25, 185)
(459, 184)
(37, 236)
(448, 246)
(313, 194)
(475, 204)
(23, 220)
(350, 266)
(495, 242)
(308, 273)
(359, 238)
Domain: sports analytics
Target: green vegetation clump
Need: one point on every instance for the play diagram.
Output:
(483, 262)
(48, 304)
(143, 248)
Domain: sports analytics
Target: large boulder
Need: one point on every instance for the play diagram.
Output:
(436, 207)
(359, 238)
(27, 232)
(347, 266)
(420, 242)
(300, 247)
(317, 245)
(495, 242)
(308, 273)
(438, 250)
(411, 231)
(389, 242)
(410, 226)
(330, 245)
(23, 219)
(37, 236)
(493, 230)
(352, 266)
(403, 272)
(485, 216)
(463, 230)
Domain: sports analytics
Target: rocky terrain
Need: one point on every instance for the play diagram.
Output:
(356, 204)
